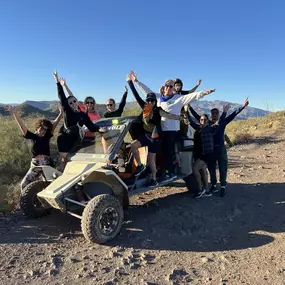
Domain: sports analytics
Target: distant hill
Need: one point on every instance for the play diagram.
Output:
(204, 107)
(50, 108)
(28, 110)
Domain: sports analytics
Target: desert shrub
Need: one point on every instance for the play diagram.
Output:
(241, 138)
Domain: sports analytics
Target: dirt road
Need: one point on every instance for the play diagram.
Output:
(168, 237)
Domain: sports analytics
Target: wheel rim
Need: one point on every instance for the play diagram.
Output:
(108, 220)
(36, 202)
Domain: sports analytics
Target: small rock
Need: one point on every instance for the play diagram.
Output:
(52, 272)
(134, 266)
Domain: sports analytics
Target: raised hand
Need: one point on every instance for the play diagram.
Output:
(133, 76)
(126, 89)
(226, 108)
(199, 82)
(207, 92)
(55, 76)
(246, 102)
(128, 77)
(62, 81)
(11, 109)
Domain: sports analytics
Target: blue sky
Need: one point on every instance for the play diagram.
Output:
(236, 47)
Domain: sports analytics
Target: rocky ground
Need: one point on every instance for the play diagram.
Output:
(168, 237)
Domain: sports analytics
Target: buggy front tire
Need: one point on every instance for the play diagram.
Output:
(102, 218)
(29, 202)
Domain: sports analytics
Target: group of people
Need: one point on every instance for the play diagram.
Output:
(161, 119)
(75, 115)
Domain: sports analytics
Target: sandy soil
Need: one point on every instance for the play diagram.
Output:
(167, 237)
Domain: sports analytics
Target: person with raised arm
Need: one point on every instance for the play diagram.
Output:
(74, 119)
(89, 107)
(204, 149)
(44, 130)
(220, 150)
(111, 106)
(151, 118)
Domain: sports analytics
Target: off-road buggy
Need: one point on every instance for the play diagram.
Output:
(101, 169)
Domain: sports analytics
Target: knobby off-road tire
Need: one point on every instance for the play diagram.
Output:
(30, 204)
(102, 218)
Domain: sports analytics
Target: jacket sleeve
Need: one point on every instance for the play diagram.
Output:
(194, 113)
(88, 123)
(230, 117)
(61, 96)
(187, 99)
(145, 90)
(185, 92)
(193, 124)
(140, 101)
(167, 115)
(122, 103)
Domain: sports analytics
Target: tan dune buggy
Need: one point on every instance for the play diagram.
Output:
(102, 170)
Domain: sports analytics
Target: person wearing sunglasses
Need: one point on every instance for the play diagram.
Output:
(220, 150)
(40, 139)
(89, 107)
(172, 103)
(74, 119)
(111, 106)
(151, 119)
(204, 150)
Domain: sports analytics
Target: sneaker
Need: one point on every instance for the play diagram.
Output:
(223, 191)
(214, 189)
(169, 177)
(199, 194)
(152, 183)
(139, 169)
(208, 194)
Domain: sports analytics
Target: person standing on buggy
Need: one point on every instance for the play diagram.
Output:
(74, 119)
(88, 107)
(40, 144)
(152, 133)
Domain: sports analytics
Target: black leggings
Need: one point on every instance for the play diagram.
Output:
(168, 149)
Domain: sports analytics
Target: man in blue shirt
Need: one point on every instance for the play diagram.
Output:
(220, 151)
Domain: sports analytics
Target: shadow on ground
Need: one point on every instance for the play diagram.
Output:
(245, 218)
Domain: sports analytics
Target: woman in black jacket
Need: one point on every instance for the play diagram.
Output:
(74, 119)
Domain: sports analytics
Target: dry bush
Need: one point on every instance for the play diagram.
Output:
(272, 124)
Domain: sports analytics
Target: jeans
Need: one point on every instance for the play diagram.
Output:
(220, 156)
(168, 149)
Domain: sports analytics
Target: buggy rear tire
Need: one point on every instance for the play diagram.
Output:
(102, 218)
(29, 202)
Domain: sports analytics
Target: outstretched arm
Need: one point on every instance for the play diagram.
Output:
(192, 123)
(19, 121)
(230, 117)
(123, 101)
(185, 92)
(140, 101)
(194, 113)
(145, 90)
(58, 118)
(186, 99)
(60, 92)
